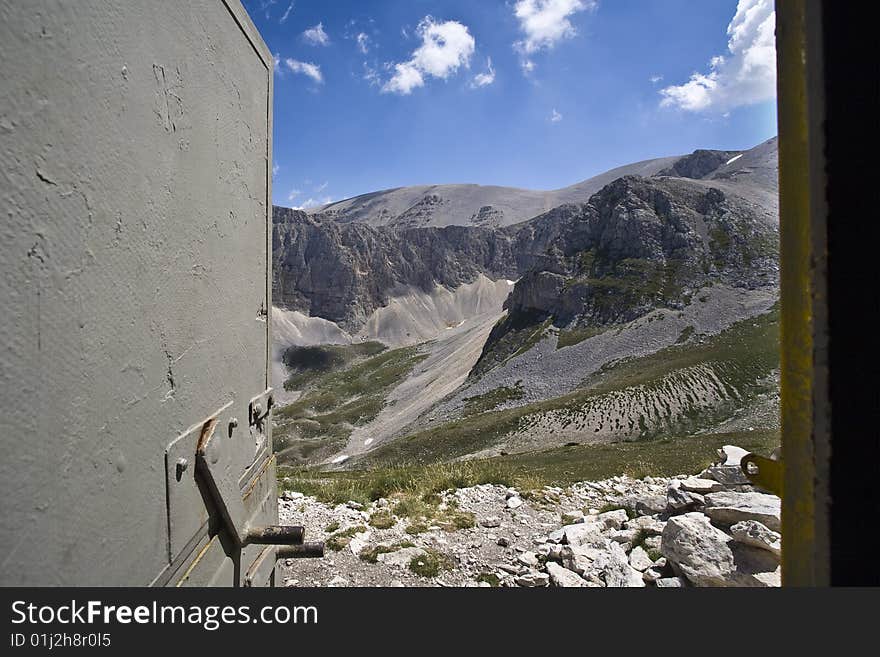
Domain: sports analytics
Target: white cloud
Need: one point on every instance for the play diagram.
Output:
(287, 12)
(266, 6)
(484, 79)
(312, 70)
(293, 194)
(314, 203)
(275, 169)
(655, 79)
(406, 78)
(555, 117)
(320, 188)
(744, 77)
(363, 41)
(277, 65)
(445, 48)
(316, 35)
(546, 22)
(371, 75)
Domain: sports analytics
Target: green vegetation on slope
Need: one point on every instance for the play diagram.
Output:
(571, 337)
(335, 402)
(512, 336)
(630, 283)
(492, 399)
(561, 466)
(308, 363)
(735, 362)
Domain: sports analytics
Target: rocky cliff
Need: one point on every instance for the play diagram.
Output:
(637, 243)
(342, 272)
(644, 243)
(646, 311)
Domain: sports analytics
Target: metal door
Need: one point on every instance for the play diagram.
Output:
(136, 181)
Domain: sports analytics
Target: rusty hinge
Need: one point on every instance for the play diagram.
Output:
(218, 475)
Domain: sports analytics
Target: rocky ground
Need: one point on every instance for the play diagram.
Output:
(710, 529)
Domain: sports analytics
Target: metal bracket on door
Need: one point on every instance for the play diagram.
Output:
(764, 473)
(220, 478)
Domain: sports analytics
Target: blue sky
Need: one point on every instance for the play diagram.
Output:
(377, 94)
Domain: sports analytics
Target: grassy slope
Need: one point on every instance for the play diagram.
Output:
(334, 402)
(308, 363)
(742, 357)
(528, 472)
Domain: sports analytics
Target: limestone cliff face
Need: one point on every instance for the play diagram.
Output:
(637, 244)
(343, 272)
(699, 164)
(645, 243)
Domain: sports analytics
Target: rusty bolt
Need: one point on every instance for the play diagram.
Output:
(182, 465)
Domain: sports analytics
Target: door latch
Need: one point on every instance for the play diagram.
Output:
(220, 480)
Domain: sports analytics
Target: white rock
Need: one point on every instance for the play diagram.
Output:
(491, 521)
(650, 504)
(400, 558)
(624, 535)
(582, 532)
(651, 526)
(752, 532)
(514, 503)
(639, 559)
(653, 542)
(670, 583)
(359, 541)
(564, 578)
(728, 508)
(731, 455)
(338, 581)
(727, 475)
(702, 486)
(533, 579)
(613, 519)
(773, 579)
(582, 560)
(680, 500)
(556, 551)
(528, 559)
(618, 572)
(709, 557)
(556, 536)
(510, 568)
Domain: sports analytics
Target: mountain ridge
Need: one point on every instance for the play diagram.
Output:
(498, 205)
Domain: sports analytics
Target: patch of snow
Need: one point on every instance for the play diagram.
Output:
(733, 159)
